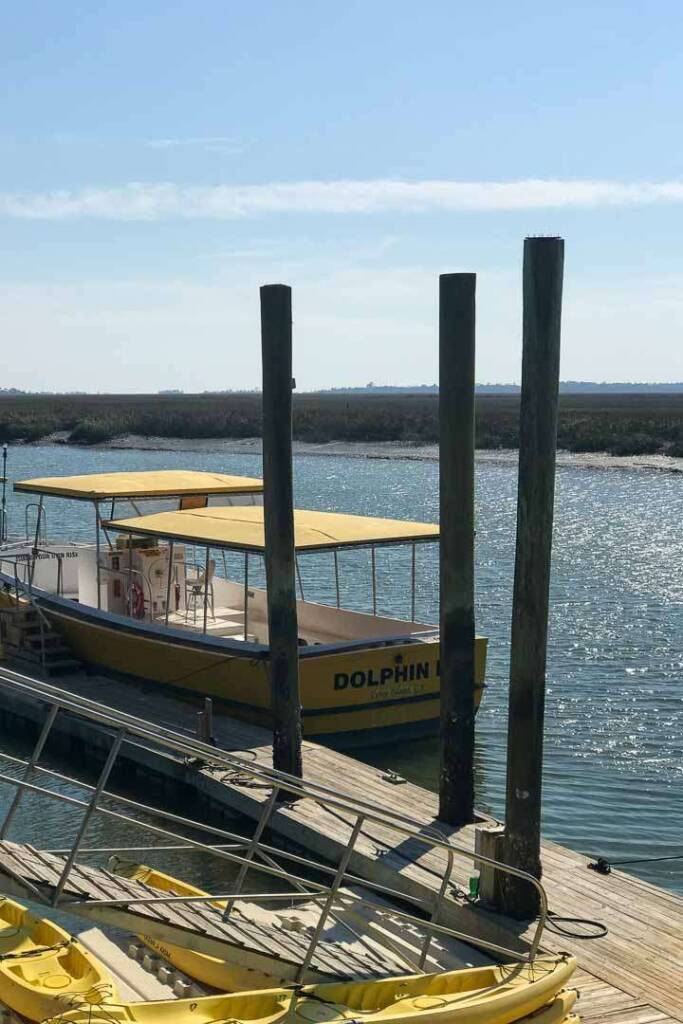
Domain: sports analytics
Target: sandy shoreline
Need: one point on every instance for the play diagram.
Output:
(379, 450)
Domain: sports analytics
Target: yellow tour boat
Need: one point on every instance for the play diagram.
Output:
(499, 994)
(43, 970)
(209, 970)
(156, 598)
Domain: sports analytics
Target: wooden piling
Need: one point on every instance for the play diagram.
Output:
(278, 499)
(456, 492)
(543, 270)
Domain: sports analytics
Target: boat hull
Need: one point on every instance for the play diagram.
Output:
(360, 691)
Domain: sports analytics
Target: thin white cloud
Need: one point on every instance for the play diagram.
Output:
(216, 143)
(165, 201)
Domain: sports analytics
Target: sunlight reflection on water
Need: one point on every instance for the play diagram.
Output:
(614, 741)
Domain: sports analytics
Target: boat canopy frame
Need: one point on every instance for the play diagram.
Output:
(142, 485)
(314, 531)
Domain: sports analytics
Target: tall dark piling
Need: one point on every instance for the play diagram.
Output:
(543, 271)
(278, 499)
(456, 493)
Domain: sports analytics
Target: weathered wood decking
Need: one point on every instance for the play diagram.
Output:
(198, 926)
(632, 976)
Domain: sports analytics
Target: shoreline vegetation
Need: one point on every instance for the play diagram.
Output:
(634, 427)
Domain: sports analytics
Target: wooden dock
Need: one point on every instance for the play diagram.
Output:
(634, 975)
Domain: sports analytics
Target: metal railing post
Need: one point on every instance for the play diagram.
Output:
(246, 595)
(90, 810)
(334, 889)
(336, 577)
(37, 751)
(299, 579)
(374, 579)
(434, 919)
(206, 591)
(36, 541)
(252, 848)
(168, 581)
(97, 553)
(412, 582)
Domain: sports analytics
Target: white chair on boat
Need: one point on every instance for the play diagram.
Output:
(199, 589)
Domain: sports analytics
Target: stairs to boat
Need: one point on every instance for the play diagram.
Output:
(27, 637)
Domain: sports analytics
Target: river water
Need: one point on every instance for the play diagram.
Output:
(613, 783)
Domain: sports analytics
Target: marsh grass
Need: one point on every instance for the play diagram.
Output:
(619, 424)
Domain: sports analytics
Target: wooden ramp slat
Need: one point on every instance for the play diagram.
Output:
(199, 926)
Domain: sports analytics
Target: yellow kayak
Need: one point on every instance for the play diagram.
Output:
(499, 994)
(559, 1011)
(43, 969)
(209, 970)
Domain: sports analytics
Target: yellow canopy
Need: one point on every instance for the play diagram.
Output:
(242, 528)
(149, 484)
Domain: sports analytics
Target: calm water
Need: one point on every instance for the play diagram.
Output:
(54, 824)
(614, 740)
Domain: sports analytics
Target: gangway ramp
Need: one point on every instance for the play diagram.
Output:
(328, 929)
(109, 899)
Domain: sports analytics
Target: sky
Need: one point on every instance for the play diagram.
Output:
(161, 161)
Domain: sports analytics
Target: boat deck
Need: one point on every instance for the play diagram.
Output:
(634, 975)
(224, 621)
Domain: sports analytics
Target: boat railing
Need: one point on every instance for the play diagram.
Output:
(251, 855)
(39, 531)
(24, 587)
(13, 561)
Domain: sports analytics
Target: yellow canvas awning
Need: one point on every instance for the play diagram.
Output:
(242, 528)
(158, 483)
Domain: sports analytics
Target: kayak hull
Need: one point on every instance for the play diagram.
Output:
(500, 994)
(209, 970)
(43, 969)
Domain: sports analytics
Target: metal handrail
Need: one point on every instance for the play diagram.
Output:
(346, 896)
(189, 844)
(40, 530)
(320, 892)
(26, 563)
(128, 728)
(187, 745)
